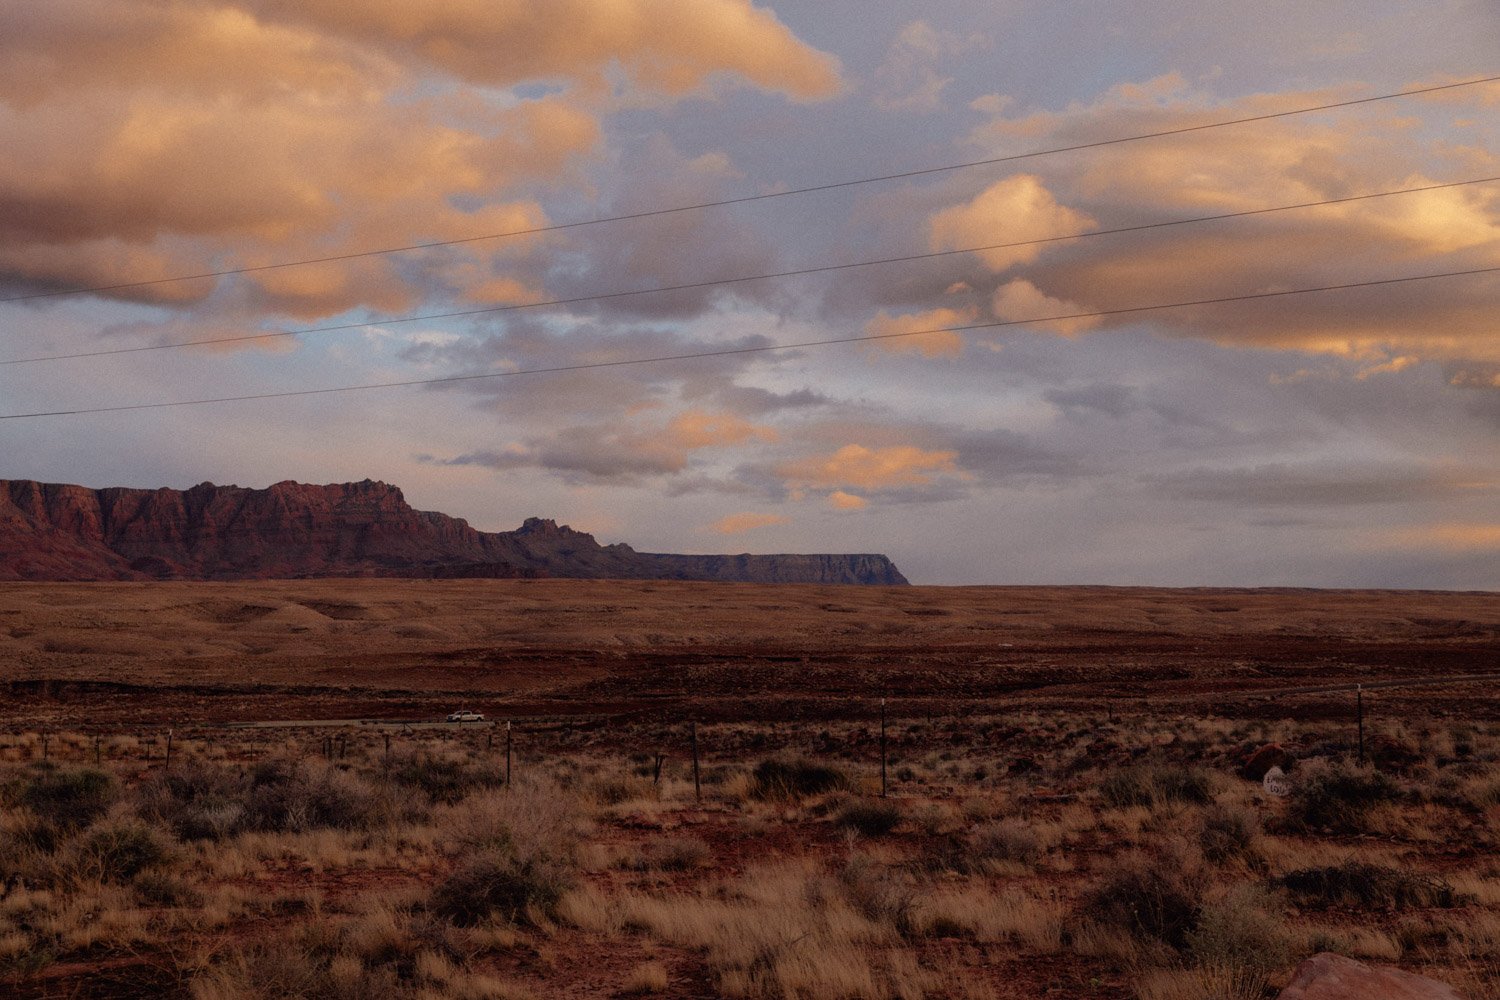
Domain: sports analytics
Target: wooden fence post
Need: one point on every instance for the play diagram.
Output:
(883, 786)
(96, 749)
(656, 771)
(1359, 710)
(507, 754)
(697, 783)
(44, 744)
(168, 762)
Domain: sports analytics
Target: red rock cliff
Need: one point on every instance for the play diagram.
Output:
(60, 532)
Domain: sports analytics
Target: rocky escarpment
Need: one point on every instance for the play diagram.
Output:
(61, 532)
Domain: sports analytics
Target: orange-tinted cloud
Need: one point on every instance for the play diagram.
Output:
(940, 343)
(1244, 168)
(1011, 210)
(855, 465)
(738, 524)
(694, 429)
(839, 500)
(1452, 537)
(145, 139)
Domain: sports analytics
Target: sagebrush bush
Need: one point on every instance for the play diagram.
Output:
(1009, 839)
(796, 777)
(197, 801)
(1240, 933)
(118, 852)
(442, 779)
(1355, 883)
(1228, 832)
(1153, 896)
(1337, 796)
(504, 885)
(290, 796)
(676, 854)
(1150, 784)
(882, 894)
(68, 798)
(869, 818)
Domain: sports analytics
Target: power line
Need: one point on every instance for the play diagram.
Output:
(746, 199)
(730, 351)
(717, 282)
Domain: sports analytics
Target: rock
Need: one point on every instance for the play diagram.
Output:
(1333, 977)
(1263, 759)
(61, 532)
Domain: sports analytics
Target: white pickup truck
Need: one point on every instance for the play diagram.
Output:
(464, 715)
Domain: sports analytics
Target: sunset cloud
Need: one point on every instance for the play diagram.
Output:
(146, 139)
(839, 500)
(938, 343)
(738, 524)
(887, 467)
(1244, 168)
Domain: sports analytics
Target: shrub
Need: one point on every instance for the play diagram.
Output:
(517, 889)
(443, 780)
(198, 801)
(796, 778)
(1240, 933)
(1152, 896)
(1228, 832)
(1337, 797)
(1149, 784)
(70, 799)
(869, 818)
(1357, 884)
(1008, 840)
(289, 796)
(119, 852)
(881, 894)
(678, 854)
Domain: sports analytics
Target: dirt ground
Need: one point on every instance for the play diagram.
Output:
(193, 653)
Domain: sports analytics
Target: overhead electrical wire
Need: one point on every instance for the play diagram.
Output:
(719, 282)
(760, 349)
(764, 196)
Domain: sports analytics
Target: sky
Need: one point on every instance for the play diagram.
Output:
(1341, 438)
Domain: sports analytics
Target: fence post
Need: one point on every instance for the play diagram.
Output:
(387, 751)
(697, 783)
(656, 771)
(507, 754)
(96, 749)
(44, 744)
(168, 762)
(1359, 710)
(883, 786)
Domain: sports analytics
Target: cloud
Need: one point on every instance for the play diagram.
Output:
(906, 339)
(908, 79)
(887, 467)
(145, 139)
(738, 524)
(1318, 485)
(839, 500)
(1244, 168)
(1021, 300)
(1015, 209)
(1449, 537)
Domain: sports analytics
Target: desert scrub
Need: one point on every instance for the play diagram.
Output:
(1152, 784)
(197, 801)
(1155, 897)
(869, 818)
(67, 798)
(291, 796)
(116, 852)
(1009, 839)
(1229, 832)
(675, 854)
(520, 890)
(1239, 942)
(796, 778)
(443, 779)
(1355, 883)
(1337, 797)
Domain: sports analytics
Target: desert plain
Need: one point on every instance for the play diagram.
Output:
(221, 790)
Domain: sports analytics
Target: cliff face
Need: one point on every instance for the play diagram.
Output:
(59, 532)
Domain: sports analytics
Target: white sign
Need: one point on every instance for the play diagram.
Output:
(1276, 783)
